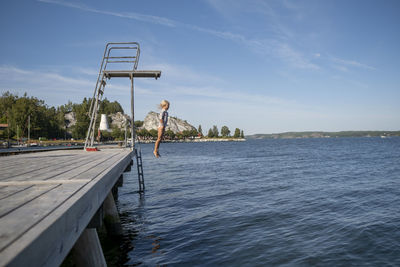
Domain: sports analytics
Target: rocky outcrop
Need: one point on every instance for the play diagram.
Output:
(174, 124)
(119, 120)
(70, 119)
(150, 122)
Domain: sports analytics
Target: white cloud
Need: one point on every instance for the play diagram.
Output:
(266, 47)
(39, 77)
(183, 74)
(54, 88)
(203, 102)
(340, 67)
(128, 15)
(294, 57)
(87, 71)
(352, 63)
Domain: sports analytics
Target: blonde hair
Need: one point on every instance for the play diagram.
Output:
(163, 104)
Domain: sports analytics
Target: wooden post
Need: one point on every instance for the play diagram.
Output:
(111, 217)
(87, 250)
(120, 181)
(97, 219)
(128, 168)
(114, 192)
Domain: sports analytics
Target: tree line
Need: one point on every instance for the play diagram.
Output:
(31, 116)
(225, 132)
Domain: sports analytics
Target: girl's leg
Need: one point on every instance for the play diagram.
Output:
(160, 136)
(157, 144)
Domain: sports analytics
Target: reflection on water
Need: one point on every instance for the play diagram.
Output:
(319, 202)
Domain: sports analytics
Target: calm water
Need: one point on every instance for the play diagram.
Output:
(303, 202)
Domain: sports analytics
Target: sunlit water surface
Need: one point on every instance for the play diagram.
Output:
(298, 202)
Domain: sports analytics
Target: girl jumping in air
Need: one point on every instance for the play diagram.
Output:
(162, 124)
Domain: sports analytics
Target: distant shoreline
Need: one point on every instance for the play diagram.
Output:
(320, 134)
(198, 140)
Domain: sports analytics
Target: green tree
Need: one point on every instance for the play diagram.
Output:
(237, 133)
(81, 127)
(225, 132)
(117, 134)
(106, 136)
(153, 133)
(200, 130)
(66, 108)
(143, 133)
(215, 131)
(107, 107)
(194, 133)
(139, 124)
(185, 134)
(7, 100)
(242, 134)
(179, 135)
(210, 133)
(170, 134)
(18, 112)
(19, 115)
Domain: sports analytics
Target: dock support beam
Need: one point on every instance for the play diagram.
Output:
(87, 250)
(111, 217)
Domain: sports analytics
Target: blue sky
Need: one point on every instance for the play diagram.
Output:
(261, 66)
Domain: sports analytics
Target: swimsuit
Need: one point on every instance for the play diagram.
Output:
(164, 117)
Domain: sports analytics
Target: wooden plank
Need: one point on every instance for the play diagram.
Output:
(6, 191)
(27, 216)
(41, 182)
(92, 168)
(26, 165)
(52, 161)
(21, 164)
(17, 151)
(34, 166)
(55, 228)
(22, 197)
(65, 171)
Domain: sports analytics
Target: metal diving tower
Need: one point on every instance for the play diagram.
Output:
(120, 60)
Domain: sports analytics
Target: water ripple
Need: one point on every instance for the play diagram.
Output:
(303, 202)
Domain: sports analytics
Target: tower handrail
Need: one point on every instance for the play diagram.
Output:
(101, 71)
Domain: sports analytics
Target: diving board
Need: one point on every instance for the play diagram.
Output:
(132, 73)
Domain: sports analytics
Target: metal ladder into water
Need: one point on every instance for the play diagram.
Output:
(139, 164)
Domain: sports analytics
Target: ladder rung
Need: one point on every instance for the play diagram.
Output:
(121, 61)
(123, 47)
(121, 57)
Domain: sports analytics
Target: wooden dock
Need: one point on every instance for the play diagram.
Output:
(47, 200)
